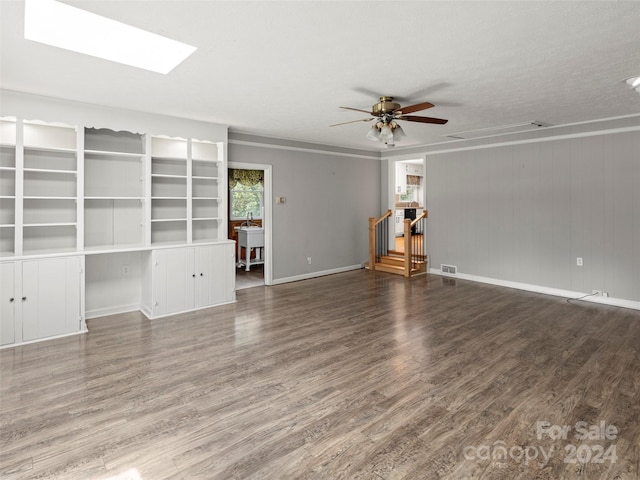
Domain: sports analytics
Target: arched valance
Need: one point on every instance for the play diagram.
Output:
(248, 178)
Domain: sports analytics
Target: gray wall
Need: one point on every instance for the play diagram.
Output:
(329, 198)
(525, 212)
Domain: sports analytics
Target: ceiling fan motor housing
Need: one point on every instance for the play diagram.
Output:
(385, 106)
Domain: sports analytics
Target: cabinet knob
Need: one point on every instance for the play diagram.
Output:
(194, 275)
(202, 274)
(11, 299)
(24, 298)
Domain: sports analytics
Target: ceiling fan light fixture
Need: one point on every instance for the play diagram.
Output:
(373, 134)
(386, 134)
(634, 83)
(398, 133)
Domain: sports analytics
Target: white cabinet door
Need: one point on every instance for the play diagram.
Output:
(204, 260)
(51, 297)
(173, 280)
(180, 279)
(401, 178)
(8, 305)
(218, 262)
(223, 275)
(186, 278)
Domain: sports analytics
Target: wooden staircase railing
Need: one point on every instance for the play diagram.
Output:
(412, 260)
(378, 238)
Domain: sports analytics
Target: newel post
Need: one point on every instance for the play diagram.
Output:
(372, 243)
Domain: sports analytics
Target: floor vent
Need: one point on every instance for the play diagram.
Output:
(450, 269)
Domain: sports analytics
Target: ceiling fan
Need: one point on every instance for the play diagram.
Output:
(386, 113)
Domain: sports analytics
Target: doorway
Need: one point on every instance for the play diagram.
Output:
(407, 198)
(247, 183)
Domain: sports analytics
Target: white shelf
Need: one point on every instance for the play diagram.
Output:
(115, 198)
(50, 170)
(159, 220)
(168, 158)
(207, 219)
(207, 198)
(10, 169)
(65, 224)
(198, 177)
(49, 251)
(107, 153)
(8, 225)
(51, 149)
(168, 198)
(162, 175)
(47, 197)
(204, 160)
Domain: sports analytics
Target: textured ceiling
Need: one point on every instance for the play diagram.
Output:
(282, 69)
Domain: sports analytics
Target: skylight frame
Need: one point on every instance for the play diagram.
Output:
(70, 28)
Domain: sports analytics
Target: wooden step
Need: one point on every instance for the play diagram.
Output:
(395, 264)
(398, 270)
(391, 260)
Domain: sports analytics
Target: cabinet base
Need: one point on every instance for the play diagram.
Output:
(38, 340)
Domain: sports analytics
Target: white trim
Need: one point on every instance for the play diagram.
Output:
(301, 149)
(38, 340)
(102, 312)
(536, 140)
(557, 292)
(145, 312)
(267, 220)
(307, 276)
(427, 152)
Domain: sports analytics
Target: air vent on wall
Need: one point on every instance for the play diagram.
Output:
(502, 129)
(450, 269)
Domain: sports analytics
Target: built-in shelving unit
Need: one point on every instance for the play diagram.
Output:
(49, 188)
(206, 187)
(169, 190)
(70, 189)
(114, 195)
(112, 199)
(185, 191)
(7, 186)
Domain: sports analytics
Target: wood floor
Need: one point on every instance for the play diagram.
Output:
(360, 375)
(253, 278)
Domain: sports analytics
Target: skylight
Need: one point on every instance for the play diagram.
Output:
(60, 25)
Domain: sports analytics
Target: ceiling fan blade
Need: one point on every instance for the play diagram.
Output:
(357, 110)
(352, 121)
(413, 108)
(413, 118)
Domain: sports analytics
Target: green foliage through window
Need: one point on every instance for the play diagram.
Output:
(246, 193)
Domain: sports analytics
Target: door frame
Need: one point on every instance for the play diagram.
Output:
(391, 183)
(267, 215)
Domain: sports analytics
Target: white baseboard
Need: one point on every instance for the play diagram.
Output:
(557, 292)
(147, 313)
(322, 273)
(101, 312)
(37, 340)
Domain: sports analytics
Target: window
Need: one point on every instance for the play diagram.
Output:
(246, 193)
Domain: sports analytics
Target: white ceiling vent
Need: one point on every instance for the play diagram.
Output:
(500, 130)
